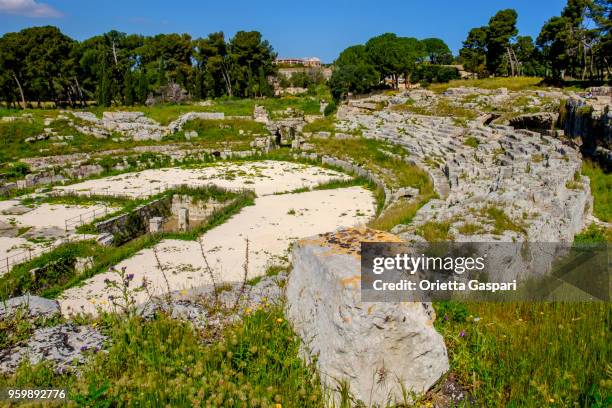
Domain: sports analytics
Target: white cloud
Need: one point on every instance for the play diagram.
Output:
(28, 8)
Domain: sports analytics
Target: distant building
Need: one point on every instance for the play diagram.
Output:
(303, 62)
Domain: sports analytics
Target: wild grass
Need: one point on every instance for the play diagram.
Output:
(434, 231)
(166, 113)
(601, 188)
(165, 362)
(511, 83)
(471, 142)
(215, 133)
(530, 354)
(593, 234)
(501, 221)
(12, 138)
(326, 124)
(381, 158)
(470, 229)
(17, 327)
(400, 212)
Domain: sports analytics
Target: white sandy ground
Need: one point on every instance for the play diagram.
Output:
(264, 177)
(43, 216)
(16, 250)
(268, 225)
(54, 215)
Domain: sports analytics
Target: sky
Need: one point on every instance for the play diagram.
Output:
(295, 28)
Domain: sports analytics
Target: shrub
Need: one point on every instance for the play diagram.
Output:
(330, 109)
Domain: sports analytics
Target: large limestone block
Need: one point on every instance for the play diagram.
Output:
(378, 348)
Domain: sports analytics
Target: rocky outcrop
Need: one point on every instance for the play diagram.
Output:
(496, 183)
(35, 305)
(177, 125)
(62, 345)
(134, 125)
(379, 349)
(260, 114)
(589, 120)
(543, 122)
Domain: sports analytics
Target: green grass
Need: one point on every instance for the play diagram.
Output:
(470, 229)
(601, 188)
(326, 124)
(19, 327)
(165, 362)
(216, 133)
(13, 134)
(530, 354)
(471, 142)
(400, 212)
(501, 221)
(12, 138)
(434, 231)
(593, 234)
(166, 113)
(374, 155)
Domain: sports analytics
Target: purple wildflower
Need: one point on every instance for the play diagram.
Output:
(462, 334)
(83, 348)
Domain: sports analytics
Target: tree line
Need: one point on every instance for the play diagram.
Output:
(388, 59)
(41, 64)
(576, 44)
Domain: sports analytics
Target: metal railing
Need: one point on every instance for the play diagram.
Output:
(28, 254)
(84, 218)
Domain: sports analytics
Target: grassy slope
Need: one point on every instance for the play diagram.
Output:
(601, 188)
(165, 362)
(13, 134)
(536, 354)
(530, 354)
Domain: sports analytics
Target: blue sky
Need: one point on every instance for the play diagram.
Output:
(296, 28)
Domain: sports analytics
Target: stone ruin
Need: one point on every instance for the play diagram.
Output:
(532, 178)
(379, 349)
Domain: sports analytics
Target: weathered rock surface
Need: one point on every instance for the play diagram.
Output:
(178, 124)
(63, 345)
(531, 179)
(377, 347)
(132, 124)
(36, 306)
(590, 121)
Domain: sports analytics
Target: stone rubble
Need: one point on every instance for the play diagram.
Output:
(64, 345)
(36, 306)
